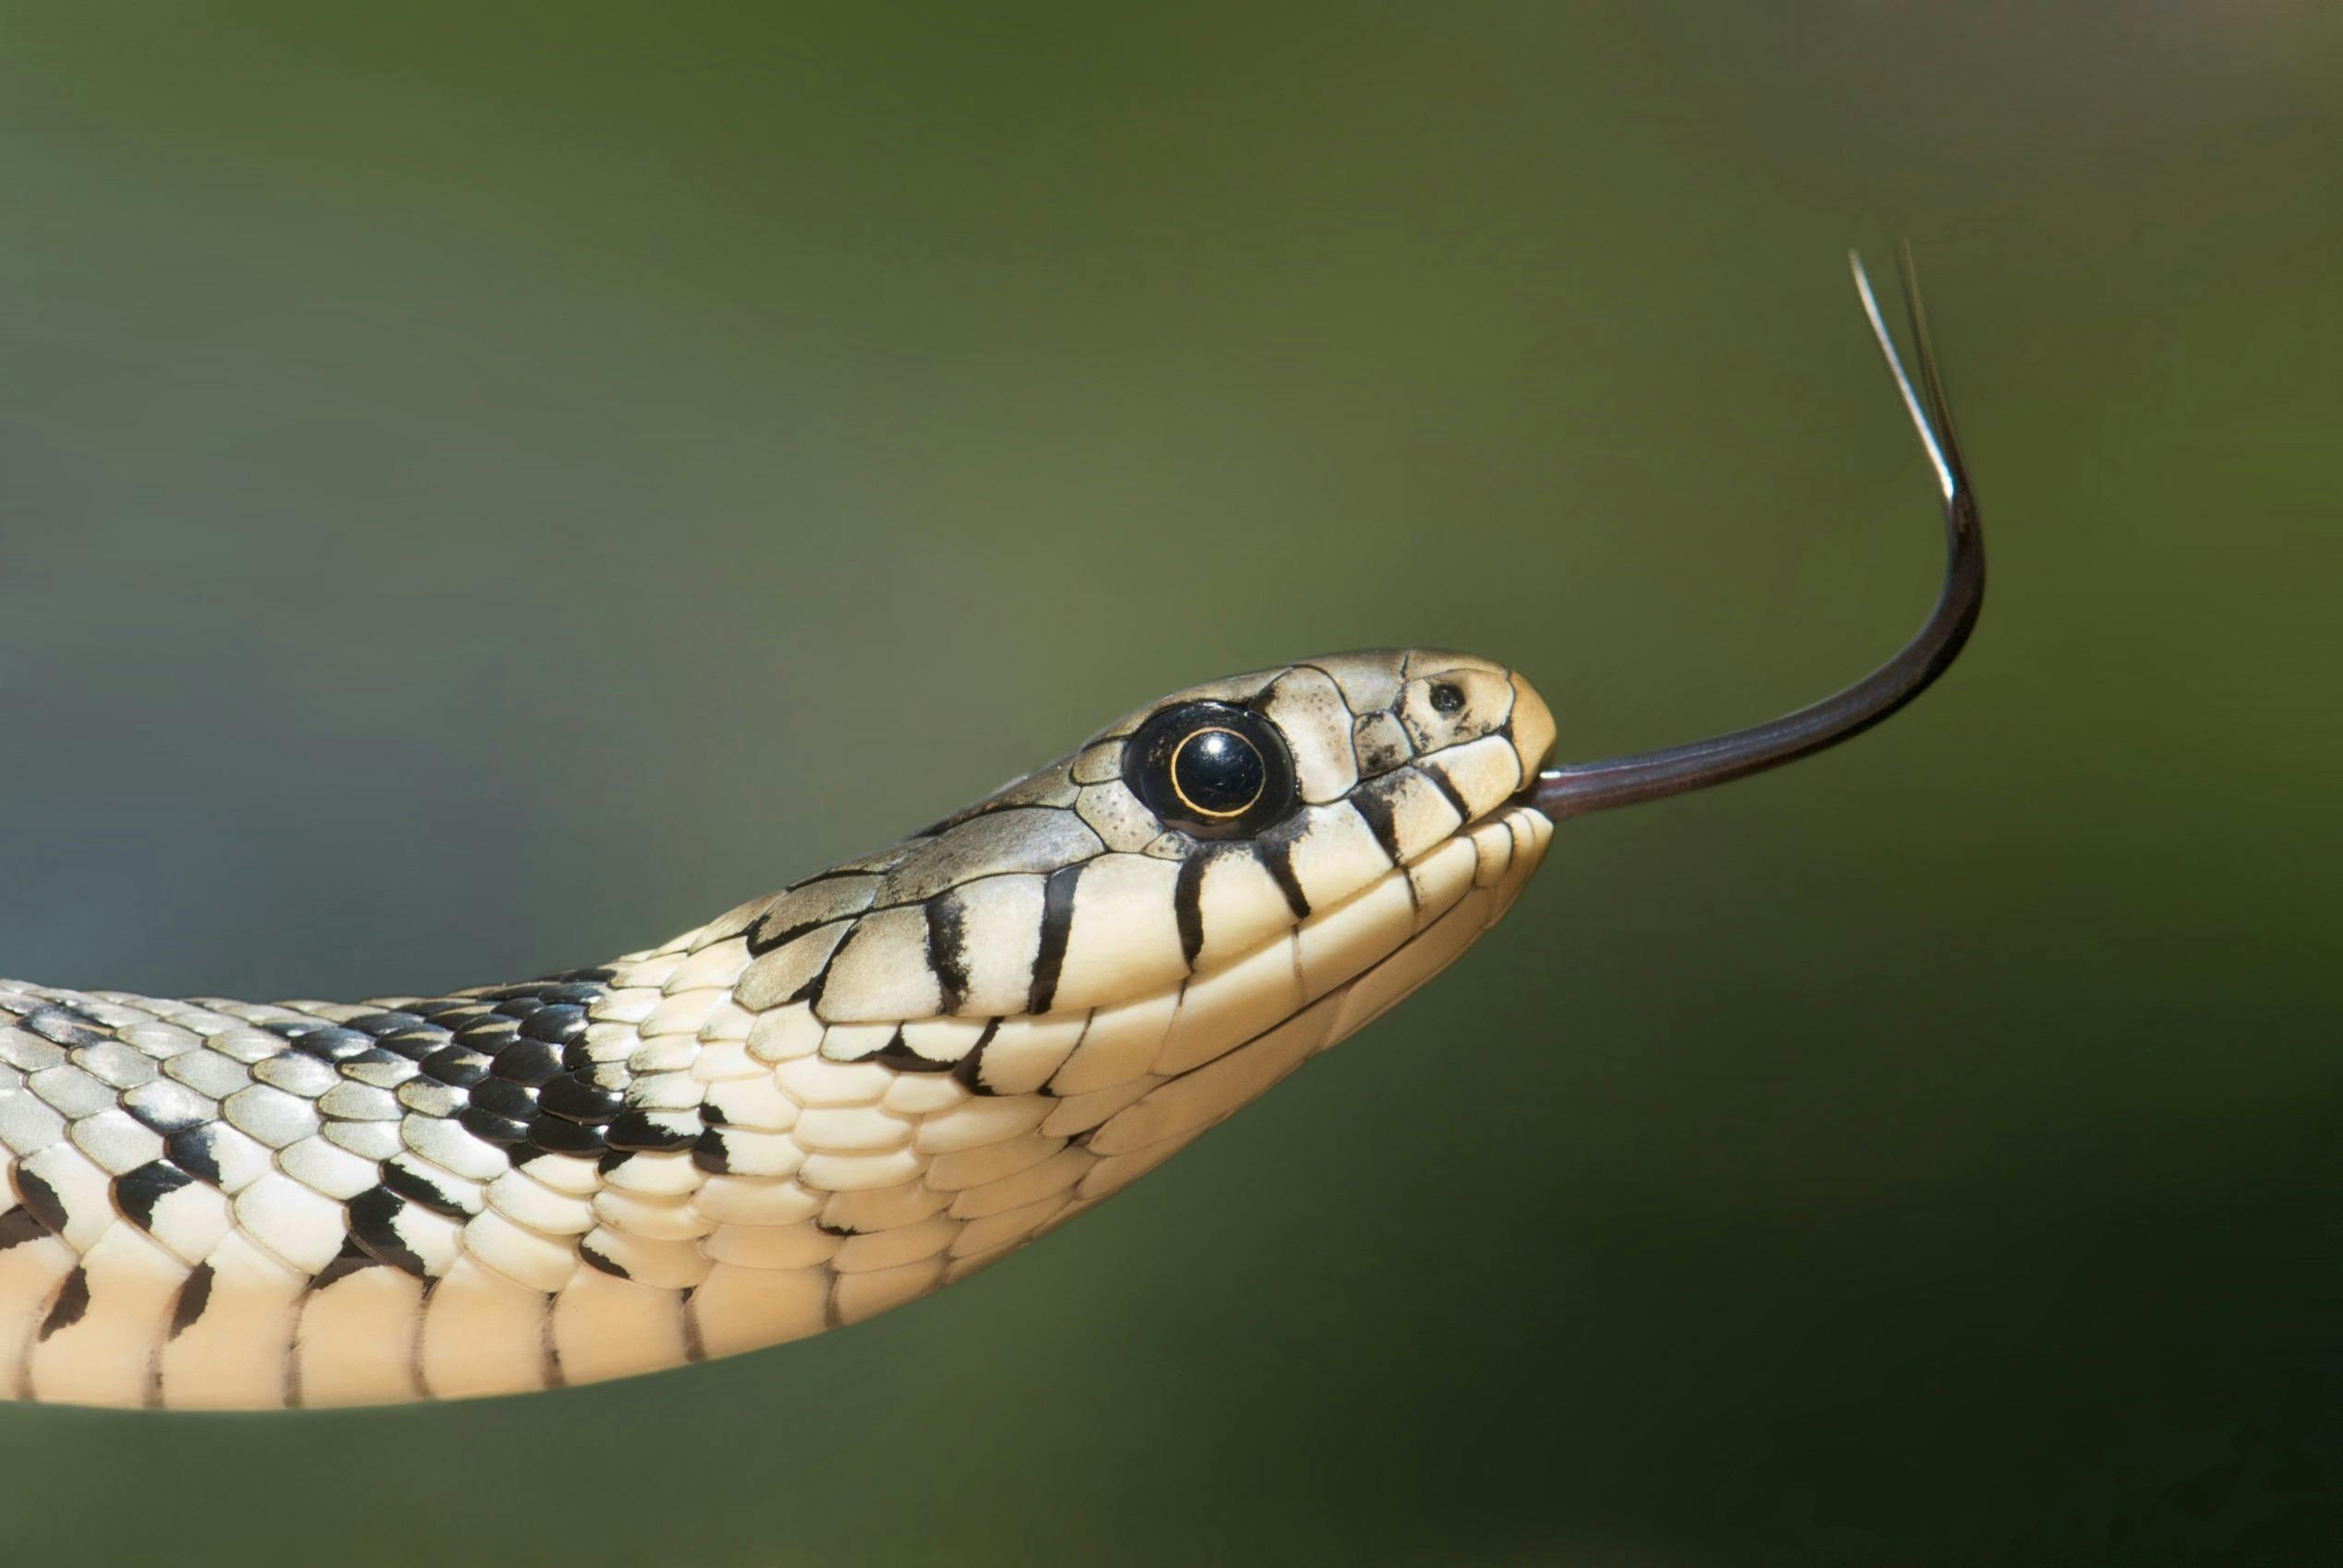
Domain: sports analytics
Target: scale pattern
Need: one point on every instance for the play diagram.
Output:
(820, 1104)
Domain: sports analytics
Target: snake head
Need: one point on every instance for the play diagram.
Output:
(1194, 833)
(1097, 961)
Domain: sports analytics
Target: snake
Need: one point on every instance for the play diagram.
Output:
(828, 1101)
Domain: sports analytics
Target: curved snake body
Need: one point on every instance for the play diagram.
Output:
(815, 1107)
(826, 1102)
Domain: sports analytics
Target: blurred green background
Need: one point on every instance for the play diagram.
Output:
(489, 486)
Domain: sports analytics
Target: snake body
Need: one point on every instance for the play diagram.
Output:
(819, 1105)
(826, 1102)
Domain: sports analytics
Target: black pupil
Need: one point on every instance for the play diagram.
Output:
(1447, 697)
(1218, 772)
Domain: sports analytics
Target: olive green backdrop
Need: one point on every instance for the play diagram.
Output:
(487, 487)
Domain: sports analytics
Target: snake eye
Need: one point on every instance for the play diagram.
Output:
(1210, 770)
(1216, 773)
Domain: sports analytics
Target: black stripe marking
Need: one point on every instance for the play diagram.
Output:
(602, 1260)
(56, 1025)
(372, 1217)
(970, 1074)
(19, 1226)
(166, 1118)
(509, 1101)
(636, 1128)
(415, 1340)
(558, 1135)
(1057, 925)
(1373, 803)
(708, 1154)
(762, 942)
(73, 1299)
(1440, 782)
(832, 875)
(195, 1294)
(490, 1128)
(695, 1347)
(895, 1054)
(415, 1188)
(347, 1261)
(947, 953)
(1187, 905)
(1276, 854)
(136, 1192)
(191, 1152)
(551, 1350)
(810, 992)
(39, 1199)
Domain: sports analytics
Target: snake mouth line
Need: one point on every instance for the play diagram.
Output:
(1475, 873)
(1483, 835)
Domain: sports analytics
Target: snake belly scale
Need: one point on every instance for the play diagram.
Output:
(818, 1106)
